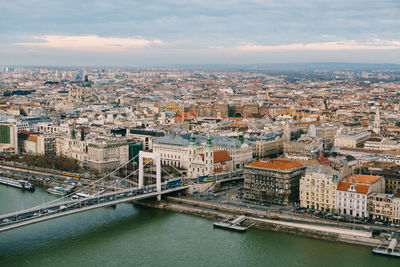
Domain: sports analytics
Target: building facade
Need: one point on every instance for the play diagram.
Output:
(352, 140)
(8, 138)
(352, 194)
(107, 154)
(318, 187)
(273, 181)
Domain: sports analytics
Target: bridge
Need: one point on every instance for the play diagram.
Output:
(66, 206)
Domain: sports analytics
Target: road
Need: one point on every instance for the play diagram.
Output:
(59, 208)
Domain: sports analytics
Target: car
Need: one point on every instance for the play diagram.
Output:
(6, 220)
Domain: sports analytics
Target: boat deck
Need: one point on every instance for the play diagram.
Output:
(230, 226)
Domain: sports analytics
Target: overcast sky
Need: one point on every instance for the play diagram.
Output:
(159, 32)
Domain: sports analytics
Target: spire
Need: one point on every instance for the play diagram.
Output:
(82, 134)
(73, 134)
(192, 142)
(240, 137)
(209, 142)
(377, 122)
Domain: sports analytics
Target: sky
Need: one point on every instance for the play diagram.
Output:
(171, 32)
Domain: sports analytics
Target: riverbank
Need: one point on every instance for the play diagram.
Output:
(261, 222)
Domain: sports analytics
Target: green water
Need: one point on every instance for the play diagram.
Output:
(137, 236)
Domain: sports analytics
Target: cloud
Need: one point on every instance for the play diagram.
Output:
(376, 44)
(90, 43)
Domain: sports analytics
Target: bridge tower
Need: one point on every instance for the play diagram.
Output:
(157, 158)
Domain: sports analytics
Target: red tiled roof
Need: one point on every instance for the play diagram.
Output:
(323, 160)
(221, 156)
(361, 182)
(277, 164)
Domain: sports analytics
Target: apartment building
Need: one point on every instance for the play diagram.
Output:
(106, 154)
(353, 191)
(352, 140)
(318, 187)
(381, 206)
(273, 181)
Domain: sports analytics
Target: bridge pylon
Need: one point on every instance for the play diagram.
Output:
(157, 158)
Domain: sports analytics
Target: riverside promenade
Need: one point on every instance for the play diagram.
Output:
(307, 227)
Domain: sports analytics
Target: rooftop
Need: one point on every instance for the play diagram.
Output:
(360, 182)
(276, 164)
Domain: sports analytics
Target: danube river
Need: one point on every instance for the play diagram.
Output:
(138, 236)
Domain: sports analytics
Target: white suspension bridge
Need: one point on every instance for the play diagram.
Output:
(65, 206)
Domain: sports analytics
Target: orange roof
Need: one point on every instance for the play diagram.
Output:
(239, 125)
(277, 164)
(32, 138)
(235, 119)
(221, 156)
(361, 182)
(186, 115)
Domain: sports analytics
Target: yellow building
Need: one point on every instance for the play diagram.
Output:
(318, 187)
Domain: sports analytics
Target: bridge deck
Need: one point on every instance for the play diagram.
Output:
(55, 210)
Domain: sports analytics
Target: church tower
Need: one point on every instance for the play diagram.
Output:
(192, 147)
(209, 156)
(377, 122)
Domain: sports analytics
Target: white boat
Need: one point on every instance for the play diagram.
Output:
(389, 251)
(57, 191)
(25, 185)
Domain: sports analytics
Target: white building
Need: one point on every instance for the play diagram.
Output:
(175, 149)
(352, 194)
(105, 154)
(352, 140)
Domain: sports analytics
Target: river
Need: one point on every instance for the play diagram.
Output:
(138, 236)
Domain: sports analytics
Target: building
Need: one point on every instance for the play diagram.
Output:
(306, 147)
(352, 140)
(318, 187)
(381, 144)
(144, 136)
(8, 138)
(46, 144)
(269, 146)
(326, 132)
(175, 149)
(396, 208)
(103, 154)
(273, 181)
(82, 92)
(353, 191)
(30, 145)
(210, 162)
(381, 206)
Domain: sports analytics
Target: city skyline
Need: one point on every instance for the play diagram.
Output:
(201, 32)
